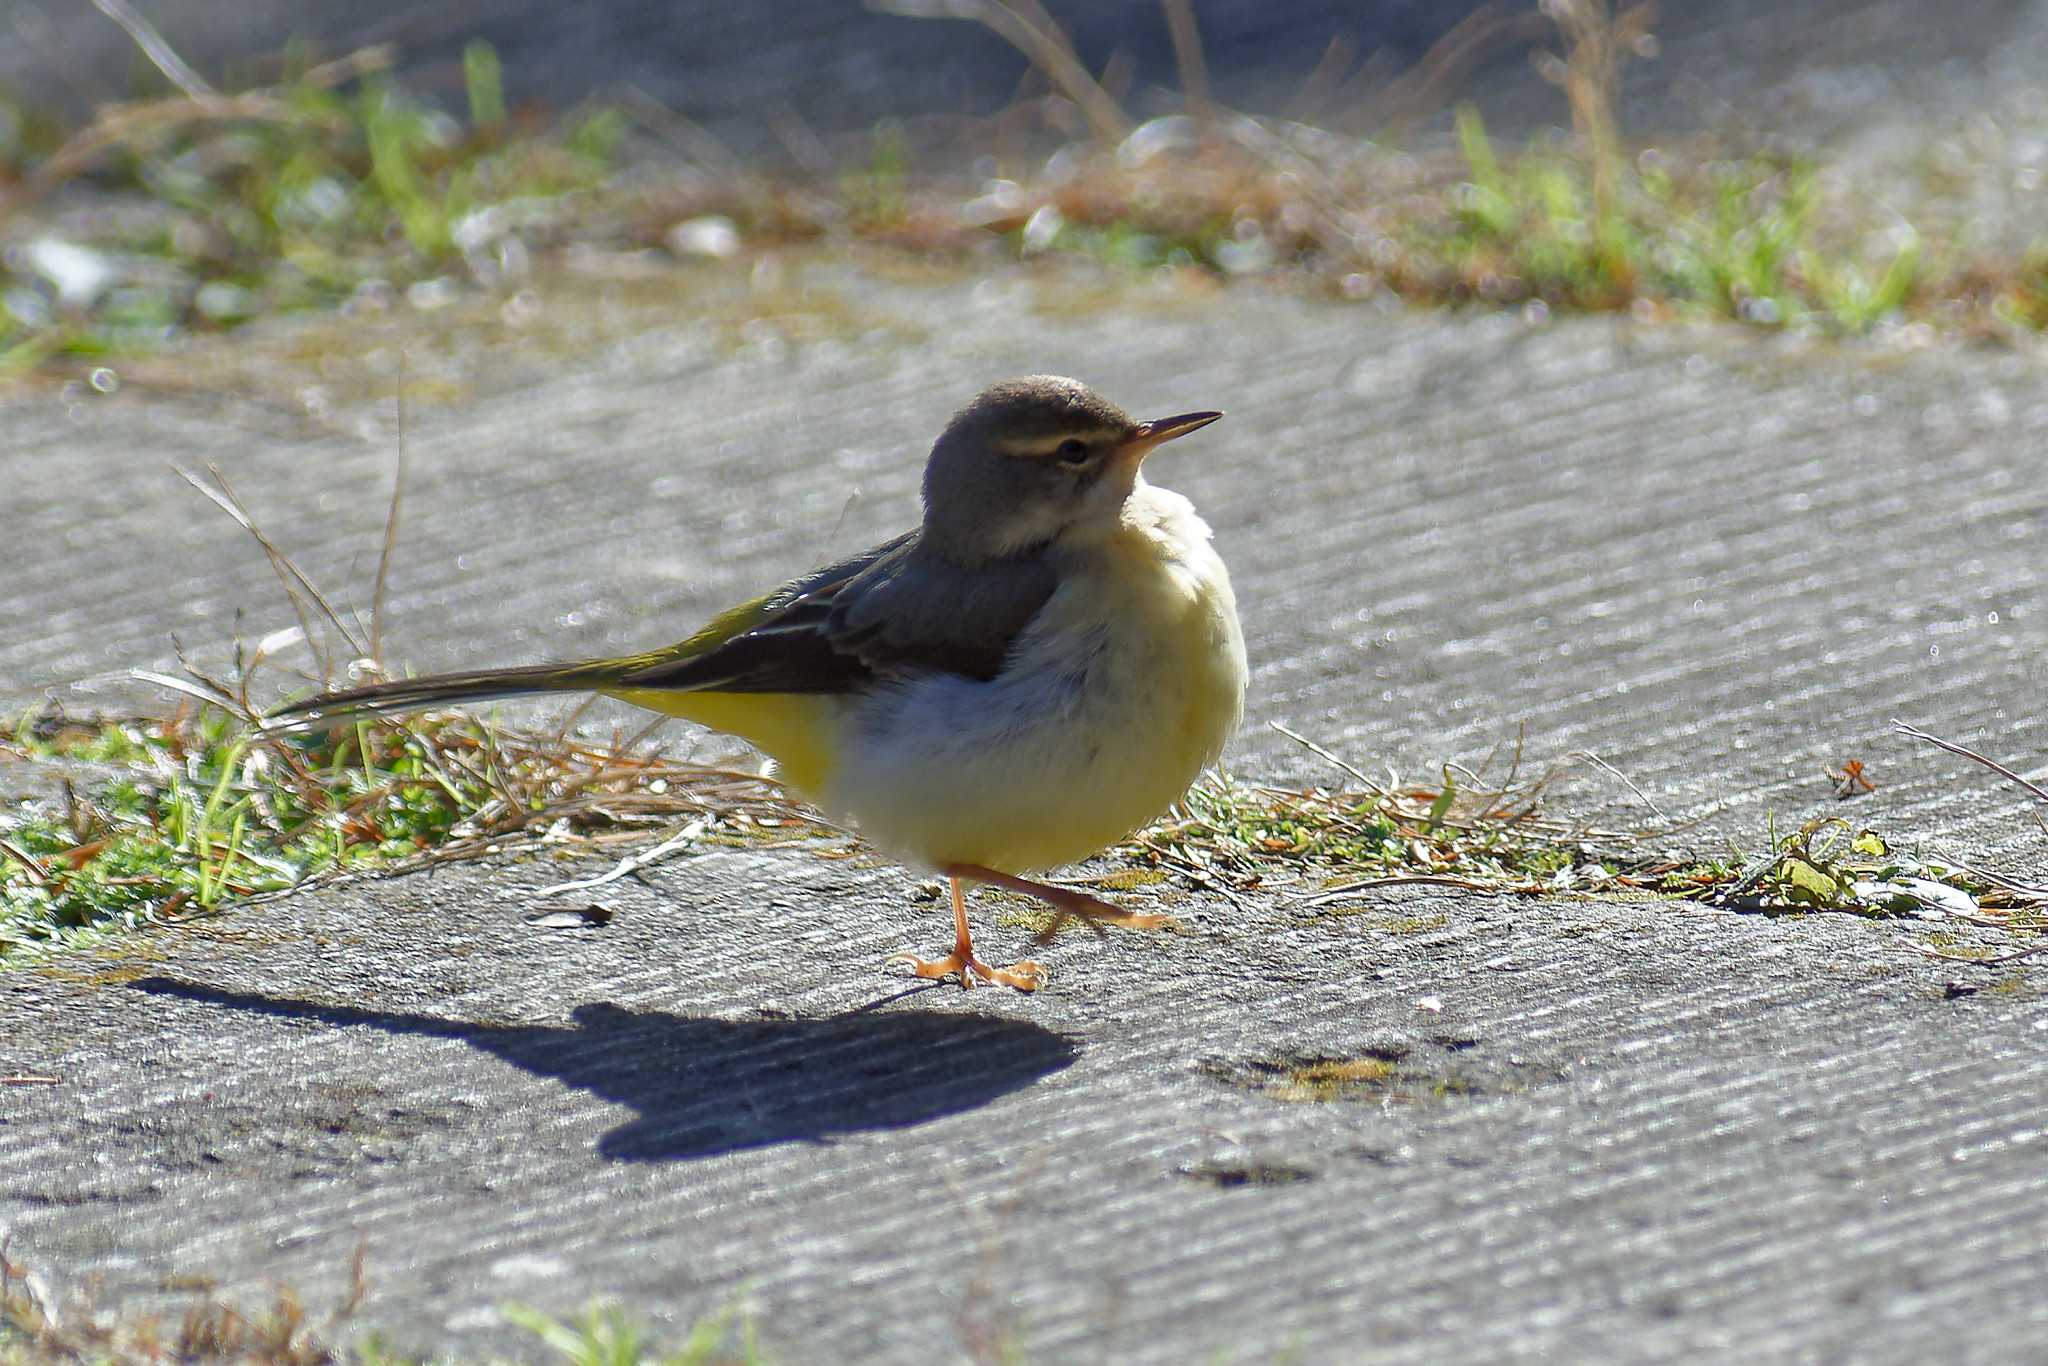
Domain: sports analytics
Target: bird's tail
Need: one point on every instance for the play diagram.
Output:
(472, 685)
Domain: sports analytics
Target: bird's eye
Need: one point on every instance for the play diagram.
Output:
(1072, 451)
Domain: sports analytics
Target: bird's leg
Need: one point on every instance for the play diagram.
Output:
(1026, 976)
(1067, 904)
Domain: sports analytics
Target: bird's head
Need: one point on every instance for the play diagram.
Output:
(1030, 461)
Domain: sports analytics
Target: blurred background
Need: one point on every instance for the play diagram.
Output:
(1835, 165)
(1811, 69)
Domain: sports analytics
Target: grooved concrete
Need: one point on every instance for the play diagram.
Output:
(1721, 563)
(1628, 1132)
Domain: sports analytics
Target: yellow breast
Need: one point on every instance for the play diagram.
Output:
(1126, 685)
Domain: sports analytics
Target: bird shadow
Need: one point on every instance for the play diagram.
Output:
(701, 1087)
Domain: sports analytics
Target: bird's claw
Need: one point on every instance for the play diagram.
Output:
(1024, 976)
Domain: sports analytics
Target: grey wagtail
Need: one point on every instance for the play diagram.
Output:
(1040, 668)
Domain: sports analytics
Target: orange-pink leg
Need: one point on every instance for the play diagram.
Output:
(1065, 901)
(1025, 976)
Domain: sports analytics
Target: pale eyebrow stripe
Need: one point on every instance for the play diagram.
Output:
(1042, 447)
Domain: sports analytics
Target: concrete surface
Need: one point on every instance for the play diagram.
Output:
(1721, 563)
(1617, 1132)
(1613, 1132)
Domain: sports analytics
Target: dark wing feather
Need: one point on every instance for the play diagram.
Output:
(894, 609)
(914, 611)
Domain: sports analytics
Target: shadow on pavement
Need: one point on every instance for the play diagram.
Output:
(704, 1087)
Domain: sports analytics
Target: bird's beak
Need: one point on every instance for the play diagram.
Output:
(1161, 430)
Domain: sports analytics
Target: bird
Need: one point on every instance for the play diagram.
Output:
(1043, 665)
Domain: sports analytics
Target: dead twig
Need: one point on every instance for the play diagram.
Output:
(629, 865)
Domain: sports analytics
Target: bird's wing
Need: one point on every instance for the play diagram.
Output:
(894, 609)
(891, 610)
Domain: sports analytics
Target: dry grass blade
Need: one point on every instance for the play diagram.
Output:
(364, 61)
(160, 53)
(1042, 42)
(390, 529)
(119, 125)
(1597, 41)
(692, 139)
(2038, 792)
(1974, 961)
(36, 872)
(629, 865)
(1187, 55)
(1611, 771)
(297, 586)
(1327, 74)
(203, 690)
(122, 124)
(1343, 890)
(1423, 88)
(1341, 765)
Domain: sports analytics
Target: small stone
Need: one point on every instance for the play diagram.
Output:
(1042, 229)
(712, 237)
(220, 302)
(79, 274)
(438, 292)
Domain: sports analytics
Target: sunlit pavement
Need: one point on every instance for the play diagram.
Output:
(1720, 562)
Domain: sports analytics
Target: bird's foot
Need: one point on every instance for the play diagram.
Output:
(1024, 976)
(1067, 904)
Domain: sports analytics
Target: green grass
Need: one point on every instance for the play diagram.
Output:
(1461, 832)
(1748, 239)
(178, 816)
(339, 179)
(606, 1335)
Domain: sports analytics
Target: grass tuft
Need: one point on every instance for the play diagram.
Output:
(1461, 832)
(182, 815)
(213, 1332)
